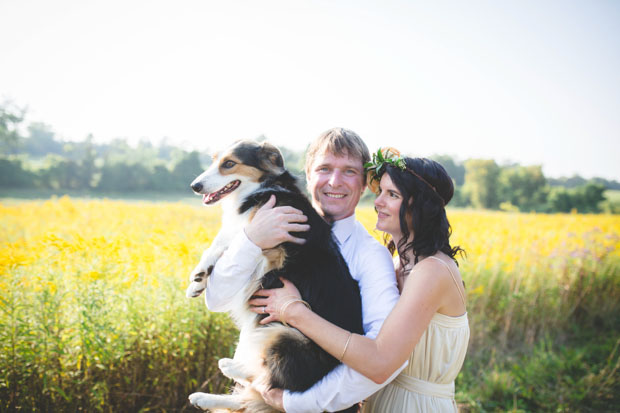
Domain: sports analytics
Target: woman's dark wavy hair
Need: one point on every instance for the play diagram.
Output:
(425, 207)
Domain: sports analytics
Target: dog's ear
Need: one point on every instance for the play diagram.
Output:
(271, 158)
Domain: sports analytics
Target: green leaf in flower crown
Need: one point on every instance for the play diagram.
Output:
(380, 156)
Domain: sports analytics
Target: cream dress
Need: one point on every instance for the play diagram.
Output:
(427, 383)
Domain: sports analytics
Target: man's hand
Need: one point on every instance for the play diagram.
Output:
(273, 397)
(272, 226)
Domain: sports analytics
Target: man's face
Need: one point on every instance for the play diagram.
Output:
(336, 185)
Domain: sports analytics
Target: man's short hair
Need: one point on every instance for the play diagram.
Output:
(338, 141)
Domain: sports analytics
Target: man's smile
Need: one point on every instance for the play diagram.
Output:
(336, 183)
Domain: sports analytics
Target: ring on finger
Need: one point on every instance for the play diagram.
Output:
(263, 309)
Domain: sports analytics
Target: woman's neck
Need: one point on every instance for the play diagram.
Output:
(396, 238)
(409, 252)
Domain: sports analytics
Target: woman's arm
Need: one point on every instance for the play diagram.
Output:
(376, 359)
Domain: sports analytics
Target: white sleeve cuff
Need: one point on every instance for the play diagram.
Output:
(297, 403)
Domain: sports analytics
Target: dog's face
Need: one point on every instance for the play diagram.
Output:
(238, 170)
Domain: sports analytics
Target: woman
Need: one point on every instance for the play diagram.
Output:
(428, 326)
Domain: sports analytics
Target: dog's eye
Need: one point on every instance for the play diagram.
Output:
(228, 164)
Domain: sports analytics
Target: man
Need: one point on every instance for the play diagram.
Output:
(336, 181)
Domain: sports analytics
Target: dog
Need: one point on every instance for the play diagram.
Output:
(243, 178)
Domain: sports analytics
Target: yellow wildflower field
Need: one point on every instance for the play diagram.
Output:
(92, 293)
(129, 244)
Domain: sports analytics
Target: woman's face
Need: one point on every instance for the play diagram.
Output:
(387, 205)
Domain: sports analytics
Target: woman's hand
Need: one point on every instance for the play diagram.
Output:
(274, 299)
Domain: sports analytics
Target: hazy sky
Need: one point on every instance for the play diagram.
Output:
(535, 82)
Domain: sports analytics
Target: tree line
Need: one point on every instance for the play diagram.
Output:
(525, 188)
(38, 159)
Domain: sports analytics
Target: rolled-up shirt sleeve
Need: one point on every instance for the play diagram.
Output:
(231, 272)
(340, 389)
(343, 386)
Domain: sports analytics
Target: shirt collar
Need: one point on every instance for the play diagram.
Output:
(343, 228)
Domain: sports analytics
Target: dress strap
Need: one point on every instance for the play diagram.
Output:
(453, 277)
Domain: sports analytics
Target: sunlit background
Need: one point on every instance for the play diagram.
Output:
(524, 81)
(93, 313)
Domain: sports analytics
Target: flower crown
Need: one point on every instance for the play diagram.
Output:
(376, 167)
(380, 160)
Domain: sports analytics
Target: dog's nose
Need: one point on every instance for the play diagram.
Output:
(197, 186)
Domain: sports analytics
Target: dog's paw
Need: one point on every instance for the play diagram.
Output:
(225, 364)
(206, 401)
(198, 281)
(201, 272)
(200, 275)
(201, 401)
(233, 370)
(195, 289)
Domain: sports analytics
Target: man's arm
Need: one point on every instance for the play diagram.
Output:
(269, 227)
(231, 272)
(343, 386)
(340, 389)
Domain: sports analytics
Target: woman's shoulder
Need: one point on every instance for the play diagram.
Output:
(439, 266)
(442, 270)
(441, 260)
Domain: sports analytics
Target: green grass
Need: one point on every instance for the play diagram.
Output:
(547, 348)
(111, 352)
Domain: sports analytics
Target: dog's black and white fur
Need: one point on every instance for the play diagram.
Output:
(243, 178)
